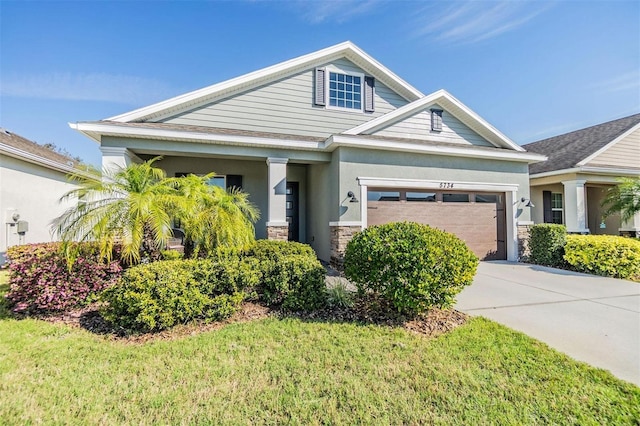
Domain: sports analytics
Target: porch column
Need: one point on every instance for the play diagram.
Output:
(511, 207)
(277, 225)
(631, 227)
(575, 206)
(116, 157)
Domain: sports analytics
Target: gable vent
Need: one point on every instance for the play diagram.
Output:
(369, 94)
(320, 94)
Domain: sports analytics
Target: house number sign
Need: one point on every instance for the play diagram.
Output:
(446, 185)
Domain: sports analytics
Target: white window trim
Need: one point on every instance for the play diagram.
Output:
(329, 70)
(556, 209)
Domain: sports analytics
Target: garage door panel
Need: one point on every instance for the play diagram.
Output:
(477, 224)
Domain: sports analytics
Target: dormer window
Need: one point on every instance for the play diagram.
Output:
(336, 89)
(436, 120)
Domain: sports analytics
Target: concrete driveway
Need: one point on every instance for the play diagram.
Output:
(592, 319)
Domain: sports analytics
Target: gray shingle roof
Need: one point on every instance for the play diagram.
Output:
(566, 151)
(16, 141)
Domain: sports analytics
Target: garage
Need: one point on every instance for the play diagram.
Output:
(478, 218)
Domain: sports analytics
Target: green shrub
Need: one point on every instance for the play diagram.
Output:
(606, 255)
(171, 255)
(412, 266)
(546, 244)
(272, 249)
(295, 282)
(162, 294)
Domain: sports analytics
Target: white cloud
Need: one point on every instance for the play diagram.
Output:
(339, 11)
(620, 83)
(471, 22)
(86, 86)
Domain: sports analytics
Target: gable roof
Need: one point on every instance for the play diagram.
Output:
(209, 94)
(453, 106)
(18, 147)
(571, 149)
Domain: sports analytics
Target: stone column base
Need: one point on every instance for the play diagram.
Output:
(340, 236)
(523, 242)
(278, 232)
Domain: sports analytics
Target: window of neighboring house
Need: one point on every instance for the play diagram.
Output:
(345, 91)
(436, 120)
(556, 207)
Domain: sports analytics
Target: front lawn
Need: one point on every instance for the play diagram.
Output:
(294, 372)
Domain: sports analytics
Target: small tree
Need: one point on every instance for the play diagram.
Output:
(623, 198)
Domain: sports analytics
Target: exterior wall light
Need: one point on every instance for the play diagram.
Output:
(353, 197)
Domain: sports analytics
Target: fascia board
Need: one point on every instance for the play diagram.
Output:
(586, 169)
(255, 78)
(554, 173)
(609, 145)
(421, 148)
(146, 133)
(36, 159)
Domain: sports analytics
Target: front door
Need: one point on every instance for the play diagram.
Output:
(293, 209)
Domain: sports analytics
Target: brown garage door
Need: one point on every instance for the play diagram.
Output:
(476, 218)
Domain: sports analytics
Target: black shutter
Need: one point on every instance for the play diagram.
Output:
(369, 94)
(546, 207)
(234, 181)
(320, 93)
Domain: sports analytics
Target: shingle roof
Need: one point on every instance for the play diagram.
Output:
(16, 141)
(566, 151)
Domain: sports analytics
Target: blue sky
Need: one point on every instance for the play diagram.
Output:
(532, 69)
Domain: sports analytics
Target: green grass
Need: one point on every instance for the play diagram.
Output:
(294, 372)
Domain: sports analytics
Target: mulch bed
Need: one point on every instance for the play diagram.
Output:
(433, 323)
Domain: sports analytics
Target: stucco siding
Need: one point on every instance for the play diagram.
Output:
(34, 192)
(625, 153)
(287, 106)
(356, 163)
(418, 126)
(320, 185)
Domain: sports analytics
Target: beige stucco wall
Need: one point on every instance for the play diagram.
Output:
(34, 192)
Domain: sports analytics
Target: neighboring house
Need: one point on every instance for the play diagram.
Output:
(331, 142)
(32, 180)
(569, 187)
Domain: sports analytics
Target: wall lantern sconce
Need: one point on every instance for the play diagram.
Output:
(353, 197)
(527, 202)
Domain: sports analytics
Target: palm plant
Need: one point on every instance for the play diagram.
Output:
(623, 198)
(211, 216)
(126, 205)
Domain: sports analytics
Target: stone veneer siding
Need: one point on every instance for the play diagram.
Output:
(279, 233)
(340, 236)
(523, 242)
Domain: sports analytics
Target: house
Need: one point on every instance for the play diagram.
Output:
(331, 142)
(32, 180)
(569, 187)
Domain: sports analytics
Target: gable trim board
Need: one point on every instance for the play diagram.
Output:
(449, 103)
(609, 145)
(248, 81)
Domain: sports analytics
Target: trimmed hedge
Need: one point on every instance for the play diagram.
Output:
(272, 249)
(412, 266)
(42, 281)
(292, 276)
(605, 255)
(162, 294)
(546, 244)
